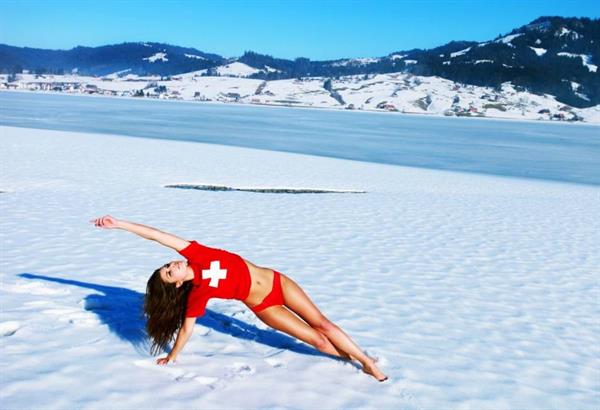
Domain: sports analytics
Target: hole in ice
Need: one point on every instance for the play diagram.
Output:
(264, 190)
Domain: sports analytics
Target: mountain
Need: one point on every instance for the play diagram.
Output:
(550, 55)
(127, 58)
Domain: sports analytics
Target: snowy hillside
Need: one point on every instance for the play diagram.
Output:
(542, 57)
(393, 92)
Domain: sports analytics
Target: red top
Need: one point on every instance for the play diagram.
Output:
(217, 274)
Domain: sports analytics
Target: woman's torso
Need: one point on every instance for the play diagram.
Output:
(261, 282)
(246, 281)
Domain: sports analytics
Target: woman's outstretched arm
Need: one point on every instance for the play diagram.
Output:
(144, 231)
(185, 331)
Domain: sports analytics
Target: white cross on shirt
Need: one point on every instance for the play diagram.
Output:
(214, 274)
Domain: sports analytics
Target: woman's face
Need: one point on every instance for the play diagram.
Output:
(174, 272)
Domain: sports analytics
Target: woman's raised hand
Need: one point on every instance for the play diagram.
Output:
(106, 221)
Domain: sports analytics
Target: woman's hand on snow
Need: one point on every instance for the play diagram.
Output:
(165, 360)
(106, 221)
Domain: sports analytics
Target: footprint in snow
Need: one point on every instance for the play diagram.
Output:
(239, 371)
(275, 363)
(177, 374)
(206, 380)
(9, 328)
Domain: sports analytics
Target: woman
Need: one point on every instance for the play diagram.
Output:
(178, 291)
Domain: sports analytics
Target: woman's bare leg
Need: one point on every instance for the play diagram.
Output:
(298, 302)
(281, 318)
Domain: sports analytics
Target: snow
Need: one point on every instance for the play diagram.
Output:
(566, 32)
(539, 51)
(195, 56)
(582, 96)
(586, 60)
(398, 56)
(271, 69)
(365, 61)
(157, 57)
(473, 291)
(409, 62)
(399, 90)
(460, 53)
(236, 69)
(117, 74)
(571, 55)
(484, 61)
(507, 39)
(355, 61)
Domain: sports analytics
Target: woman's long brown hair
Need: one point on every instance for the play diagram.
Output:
(164, 306)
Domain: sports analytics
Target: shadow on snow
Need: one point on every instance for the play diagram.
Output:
(121, 310)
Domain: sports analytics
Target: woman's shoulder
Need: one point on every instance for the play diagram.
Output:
(192, 250)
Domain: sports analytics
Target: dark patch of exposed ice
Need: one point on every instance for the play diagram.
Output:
(264, 190)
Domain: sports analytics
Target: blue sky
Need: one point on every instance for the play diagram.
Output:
(319, 30)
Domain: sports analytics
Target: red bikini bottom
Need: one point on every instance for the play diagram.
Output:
(275, 297)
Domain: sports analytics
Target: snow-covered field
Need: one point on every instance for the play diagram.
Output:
(394, 92)
(474, 291)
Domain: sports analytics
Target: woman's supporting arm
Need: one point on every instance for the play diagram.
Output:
(185, 331)
(144, 231)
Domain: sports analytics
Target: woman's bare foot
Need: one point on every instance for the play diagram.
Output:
(371, 368)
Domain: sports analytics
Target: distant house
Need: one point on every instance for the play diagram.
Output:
(198, 96)
(233, 96)
(12, 85)
(50, 86)
(386, 106)
(90, 89)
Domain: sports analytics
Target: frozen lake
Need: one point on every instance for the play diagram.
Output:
(474, 291)
(551, 151)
